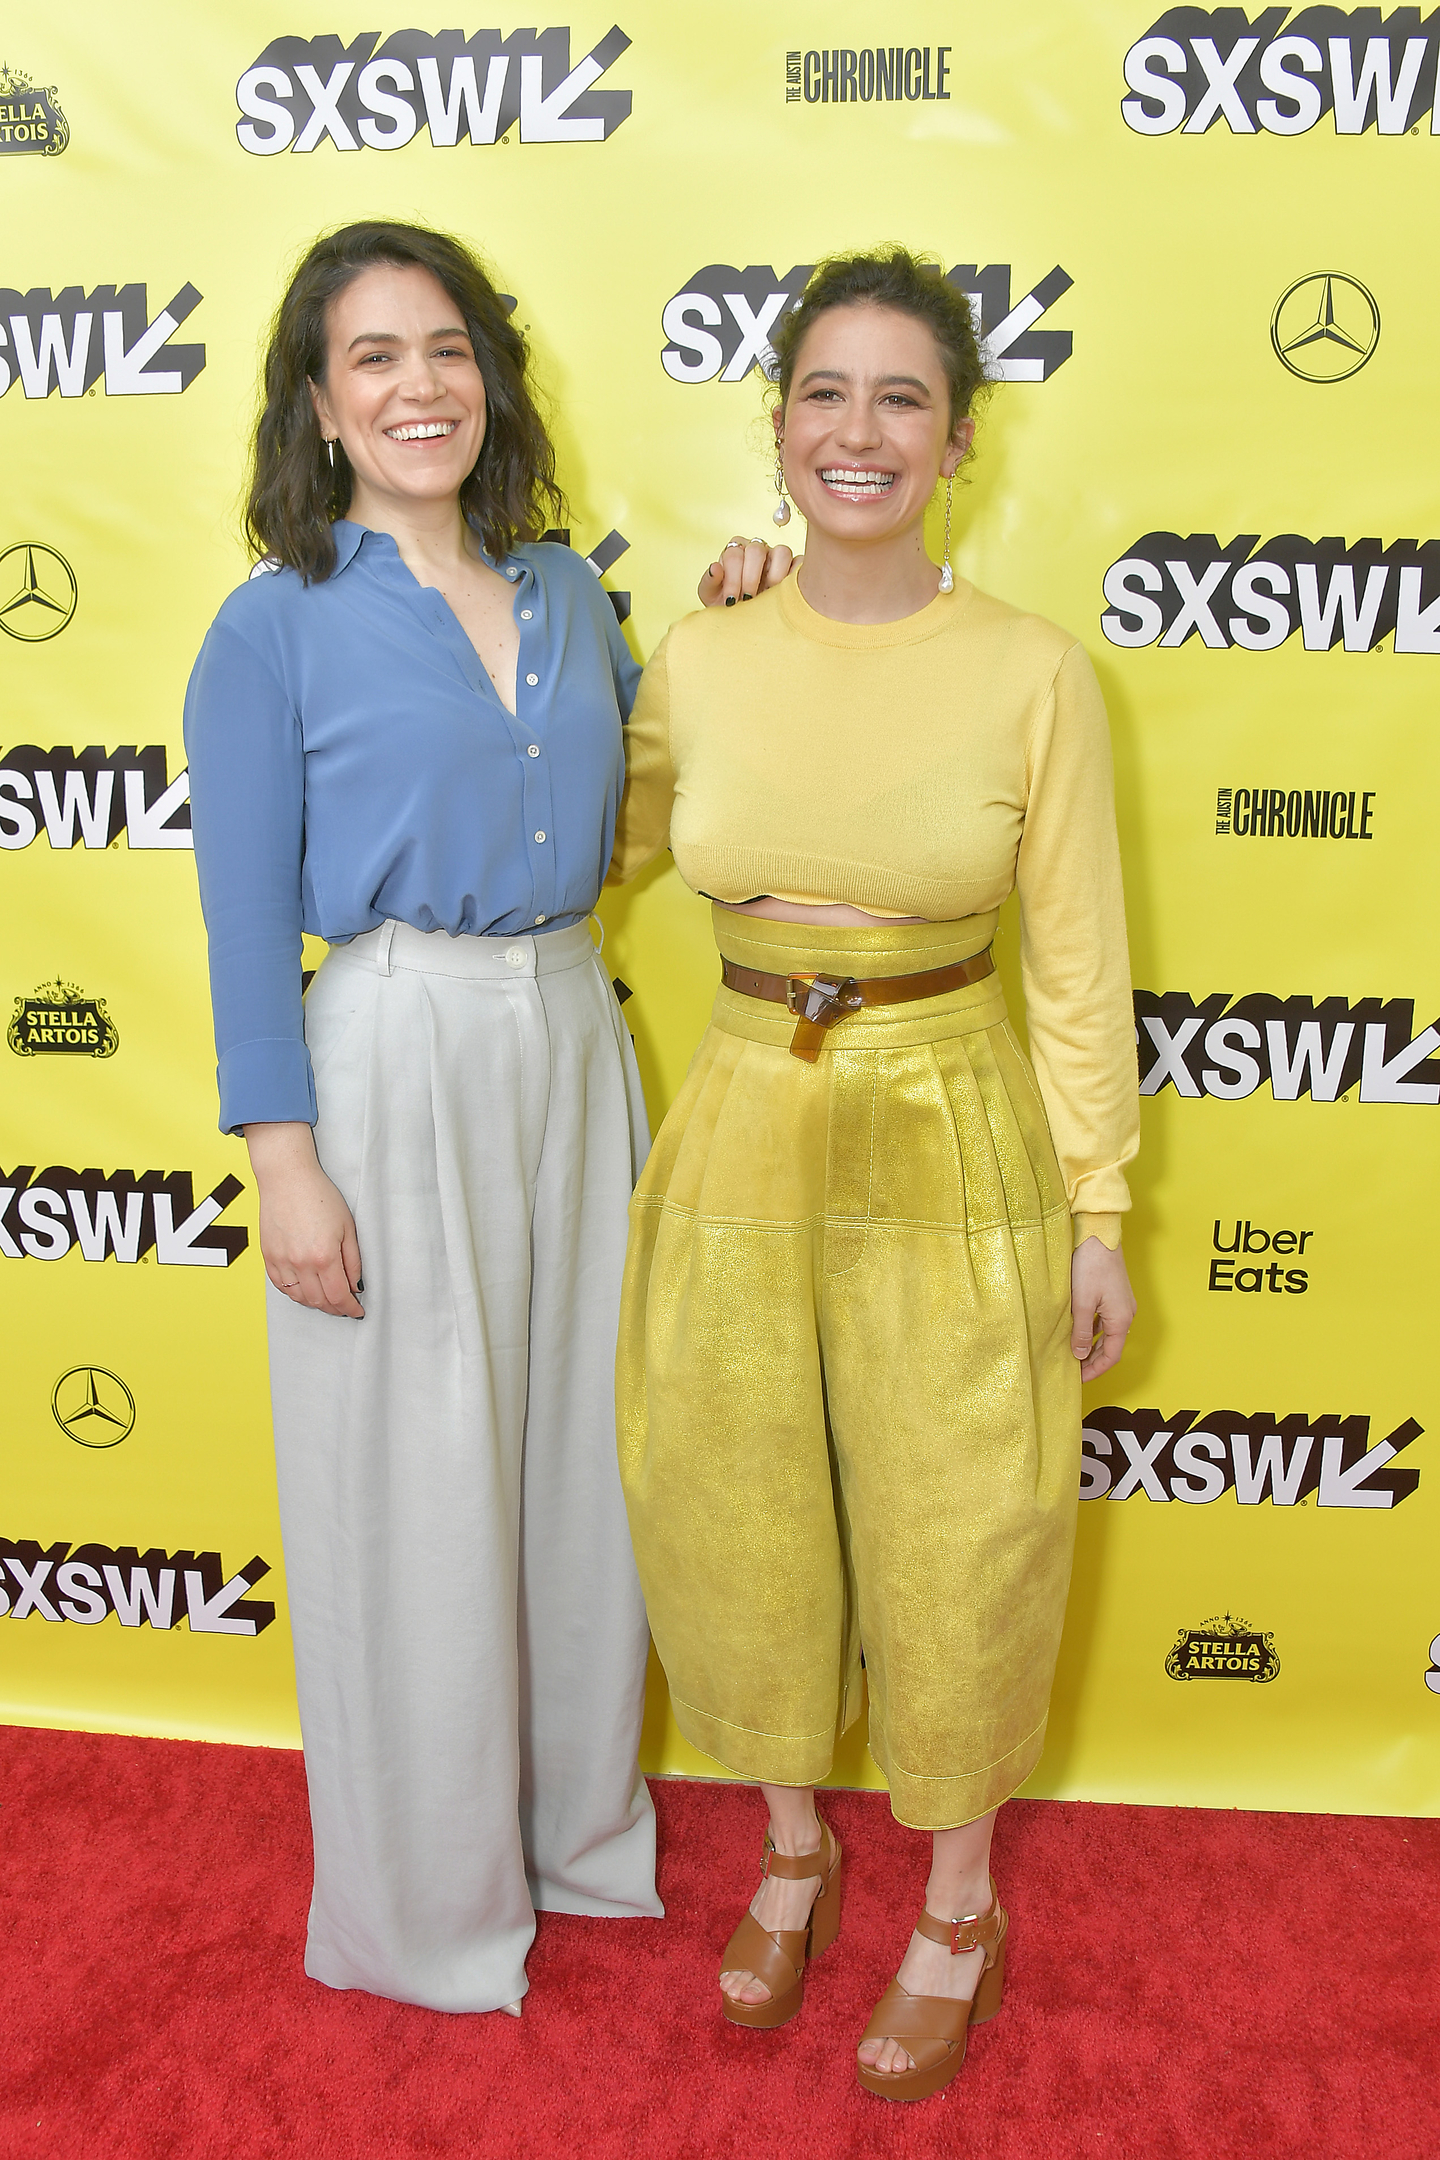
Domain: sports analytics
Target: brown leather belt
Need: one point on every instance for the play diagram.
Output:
(819, 1002)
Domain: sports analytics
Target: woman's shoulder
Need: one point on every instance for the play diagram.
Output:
(1024, 633)
(258, 610)
(718, 634)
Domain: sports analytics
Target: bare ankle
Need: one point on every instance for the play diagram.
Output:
(794, 1840)
(794, 1824)
(962, 1901)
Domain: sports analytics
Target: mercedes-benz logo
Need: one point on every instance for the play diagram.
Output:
(1325, 326)
(93, 1406)
(37, 592)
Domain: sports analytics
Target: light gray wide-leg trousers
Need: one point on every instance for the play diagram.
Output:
(469, 1635)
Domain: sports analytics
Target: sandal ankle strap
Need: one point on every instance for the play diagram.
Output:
(799, 1867)
(973, 1931)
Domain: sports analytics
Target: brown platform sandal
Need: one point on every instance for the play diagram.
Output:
(932, 2028)
(778, 1959)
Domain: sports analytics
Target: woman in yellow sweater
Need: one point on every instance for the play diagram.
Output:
(876, 1249)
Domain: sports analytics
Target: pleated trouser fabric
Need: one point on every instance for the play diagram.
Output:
(469, 1637)
(849, 1414)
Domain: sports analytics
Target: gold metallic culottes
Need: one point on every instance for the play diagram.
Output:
(849, 1415)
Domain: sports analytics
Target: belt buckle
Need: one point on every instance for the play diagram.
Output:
(815, 997)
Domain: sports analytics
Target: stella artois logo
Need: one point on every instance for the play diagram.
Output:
(59, 1020)
(1226, 1648)
(31, 122)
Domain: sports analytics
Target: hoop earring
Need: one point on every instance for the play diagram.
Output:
(781, 512)
(947, 575)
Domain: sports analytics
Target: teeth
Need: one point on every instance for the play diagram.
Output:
(423, 431)
(838, 476)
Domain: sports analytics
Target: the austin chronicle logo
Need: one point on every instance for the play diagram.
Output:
(31, 122)
(93, 1407)
(1325, 327)
(58, 1020)
(1225, 1648)
(37, 592)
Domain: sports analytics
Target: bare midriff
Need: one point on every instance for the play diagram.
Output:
(803, 911)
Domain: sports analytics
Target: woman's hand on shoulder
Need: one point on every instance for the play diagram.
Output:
(1102, 1306)
(743, 568)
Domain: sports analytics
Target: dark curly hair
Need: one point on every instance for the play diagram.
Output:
(891, 278)
(512, 493)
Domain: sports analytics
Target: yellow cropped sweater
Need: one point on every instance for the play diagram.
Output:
(921, 767)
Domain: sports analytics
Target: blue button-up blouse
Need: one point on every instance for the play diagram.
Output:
(350, 762)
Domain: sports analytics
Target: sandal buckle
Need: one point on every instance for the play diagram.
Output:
(963, 1934)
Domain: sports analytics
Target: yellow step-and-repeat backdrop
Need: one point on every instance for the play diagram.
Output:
(1192, 243)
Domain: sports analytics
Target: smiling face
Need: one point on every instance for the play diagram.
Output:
(865, 432)
(402, 390)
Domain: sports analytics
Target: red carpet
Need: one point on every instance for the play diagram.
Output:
(1182, 1983)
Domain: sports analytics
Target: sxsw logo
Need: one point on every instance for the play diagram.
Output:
(304, 91)
(45, 1214)
(1195, 1459)
(156, 1588)
(69, 340)
(1196, 67)
(1165, 590)
(92, 797)
(1301, 1046)
(721, 323)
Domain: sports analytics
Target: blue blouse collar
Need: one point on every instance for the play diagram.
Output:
(349, 538)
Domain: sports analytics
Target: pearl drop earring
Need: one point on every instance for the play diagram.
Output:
(781, 512)
(947, 575)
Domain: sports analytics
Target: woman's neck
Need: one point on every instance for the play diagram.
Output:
(867, 582)
(432, 536)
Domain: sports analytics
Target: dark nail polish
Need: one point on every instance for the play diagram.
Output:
(731, 601)
(747, 596)
(359, 1282)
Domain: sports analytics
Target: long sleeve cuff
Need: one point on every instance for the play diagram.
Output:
(266, 1082)
(1104, 1227)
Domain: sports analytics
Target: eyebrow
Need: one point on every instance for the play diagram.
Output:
(882, 382)
(392, 337)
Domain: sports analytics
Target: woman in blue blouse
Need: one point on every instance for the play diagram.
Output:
(406, 739)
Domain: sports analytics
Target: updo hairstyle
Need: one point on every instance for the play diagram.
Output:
(890, 278)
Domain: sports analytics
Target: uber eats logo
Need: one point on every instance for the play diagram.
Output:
(1165, 591)
(1196, 68)
(1286, 1461)
(720, 324)
(71, 340)
(1302, 1046)
(304, 91)
(92, 796)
